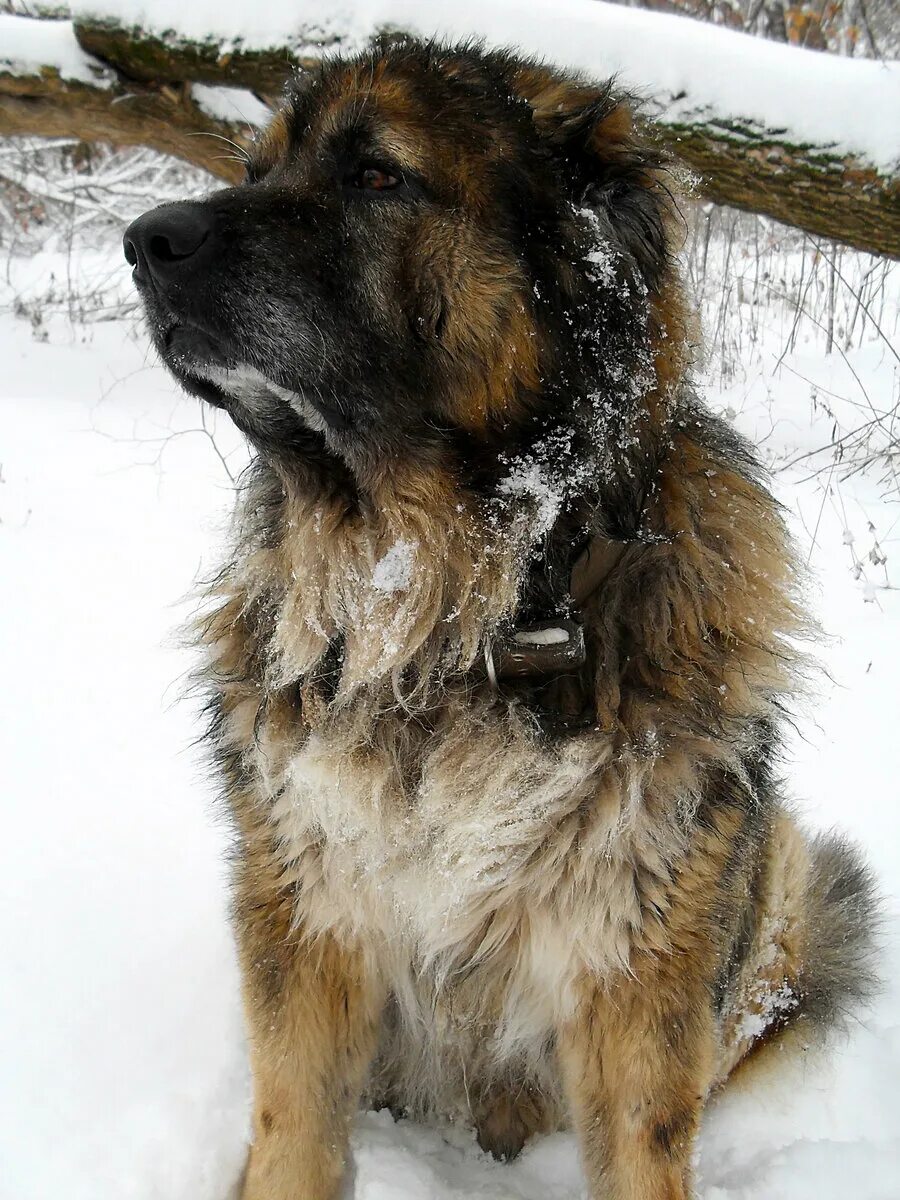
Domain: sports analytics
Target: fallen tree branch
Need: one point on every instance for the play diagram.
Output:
(50, 88)
(153, 59)
(129, 87)
(823, 193)
(165, 121)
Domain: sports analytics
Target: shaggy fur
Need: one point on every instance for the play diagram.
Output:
(444, 309)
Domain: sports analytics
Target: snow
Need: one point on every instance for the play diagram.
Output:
(124, 1066)
(124, 1074)
(687, 67)
(529, 478)
(231, 104)
(393, 572)
(300, 24)
(770, 1004)
(27, 46)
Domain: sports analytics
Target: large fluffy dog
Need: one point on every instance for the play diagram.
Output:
(497, 665)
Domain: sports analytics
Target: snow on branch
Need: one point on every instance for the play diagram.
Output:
(808, 138)
(50, 87)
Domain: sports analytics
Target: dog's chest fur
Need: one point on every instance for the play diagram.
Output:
(474, 850)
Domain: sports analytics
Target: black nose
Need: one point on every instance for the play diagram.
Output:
(168, 242)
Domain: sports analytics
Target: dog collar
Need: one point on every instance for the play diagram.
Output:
(556, 645)
(546, 647)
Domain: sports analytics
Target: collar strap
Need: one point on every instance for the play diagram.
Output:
(593, 567)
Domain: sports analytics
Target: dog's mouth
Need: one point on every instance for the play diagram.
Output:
(189, 346)
(228, 378)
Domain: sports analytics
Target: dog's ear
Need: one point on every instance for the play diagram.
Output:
(605, 164)
(590, 127)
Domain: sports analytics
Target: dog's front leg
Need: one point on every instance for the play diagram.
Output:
(637, 1061)
(312, 1020)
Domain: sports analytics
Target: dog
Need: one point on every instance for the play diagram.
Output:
(497, 666)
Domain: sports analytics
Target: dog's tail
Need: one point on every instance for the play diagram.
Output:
(841, 913)
(810, 964)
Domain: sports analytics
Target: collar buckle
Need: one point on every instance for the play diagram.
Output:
(544, 648)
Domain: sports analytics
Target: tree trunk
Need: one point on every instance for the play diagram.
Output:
(142, 96)
(164, 117)
(810, 188)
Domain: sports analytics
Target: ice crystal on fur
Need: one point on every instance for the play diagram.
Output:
(529, 480)
(769, 1003)
(393, 571)
(601, 255)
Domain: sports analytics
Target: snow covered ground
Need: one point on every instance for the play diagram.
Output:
(123, 1064)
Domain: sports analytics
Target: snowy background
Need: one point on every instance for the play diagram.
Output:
(124, 1072)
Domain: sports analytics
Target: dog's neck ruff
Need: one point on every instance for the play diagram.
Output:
(548, 647)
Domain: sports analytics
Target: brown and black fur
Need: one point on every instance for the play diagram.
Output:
(572, 897)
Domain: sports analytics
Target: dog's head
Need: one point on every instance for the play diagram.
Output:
(439, 254)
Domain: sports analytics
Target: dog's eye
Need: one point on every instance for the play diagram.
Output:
(373, 179)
